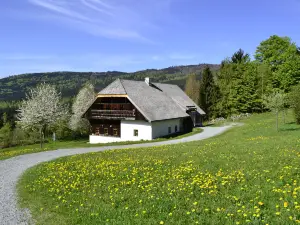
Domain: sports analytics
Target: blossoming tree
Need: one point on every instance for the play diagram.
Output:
(41, 108)
(83, 101)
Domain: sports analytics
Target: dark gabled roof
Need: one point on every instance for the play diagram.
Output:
(155, 102)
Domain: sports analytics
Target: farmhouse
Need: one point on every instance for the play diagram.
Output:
(129, 110)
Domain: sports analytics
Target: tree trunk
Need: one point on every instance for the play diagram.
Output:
(277, 120)
(41, 137)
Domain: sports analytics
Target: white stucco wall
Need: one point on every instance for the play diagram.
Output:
(127, 130)
(94, 139)
(161, 128)
(146, 131)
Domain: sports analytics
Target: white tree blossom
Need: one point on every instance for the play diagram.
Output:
(41, 108)
(84, 99)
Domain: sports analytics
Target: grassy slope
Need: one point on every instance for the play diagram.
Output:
(249, 175)
(21, 150)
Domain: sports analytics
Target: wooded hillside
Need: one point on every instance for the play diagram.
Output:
(14, 87)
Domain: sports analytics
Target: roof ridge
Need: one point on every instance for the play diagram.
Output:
(122, 85)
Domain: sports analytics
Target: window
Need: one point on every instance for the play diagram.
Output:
(135, 133)
(170, 130)
(115, 132)
(97, 132)
(176, 128)
(106, 131)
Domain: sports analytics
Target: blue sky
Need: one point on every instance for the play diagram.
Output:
(130, 35)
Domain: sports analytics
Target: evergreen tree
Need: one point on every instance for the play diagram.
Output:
(240, 57)
(207, 93)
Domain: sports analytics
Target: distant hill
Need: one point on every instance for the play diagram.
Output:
(14, 87)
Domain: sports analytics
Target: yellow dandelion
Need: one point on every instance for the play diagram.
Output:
(260, 203)
(161, 222)
(285, 204)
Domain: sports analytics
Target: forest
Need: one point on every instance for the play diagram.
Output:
(239, 84)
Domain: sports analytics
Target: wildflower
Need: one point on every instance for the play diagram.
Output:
(161, 222)
(261, 203)
(277, 213)
(285, 204)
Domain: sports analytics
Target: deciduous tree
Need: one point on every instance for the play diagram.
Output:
(282, 55)
(192, 87)
(275, 102)
(41, 108)
(82, 102)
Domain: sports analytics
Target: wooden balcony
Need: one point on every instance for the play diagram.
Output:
(112, 114)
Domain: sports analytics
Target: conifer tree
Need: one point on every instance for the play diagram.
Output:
(207, 93)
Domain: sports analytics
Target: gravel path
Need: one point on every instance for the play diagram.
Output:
(11, 169)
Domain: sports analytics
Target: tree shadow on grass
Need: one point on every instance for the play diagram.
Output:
(291, 126)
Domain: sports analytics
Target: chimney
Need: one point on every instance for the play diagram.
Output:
(147, 80)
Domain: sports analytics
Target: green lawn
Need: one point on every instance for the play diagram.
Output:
(248, 175)
(21, 150)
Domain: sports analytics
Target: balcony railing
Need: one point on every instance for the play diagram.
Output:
(98, 114)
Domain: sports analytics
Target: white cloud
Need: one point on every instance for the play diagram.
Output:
(126, 19)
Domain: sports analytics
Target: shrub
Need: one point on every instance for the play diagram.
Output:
(294, 100)
(5, 136)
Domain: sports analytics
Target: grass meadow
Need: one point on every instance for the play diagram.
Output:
(248, 175)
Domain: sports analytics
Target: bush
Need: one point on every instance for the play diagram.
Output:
(5, 136)
(294, 100)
